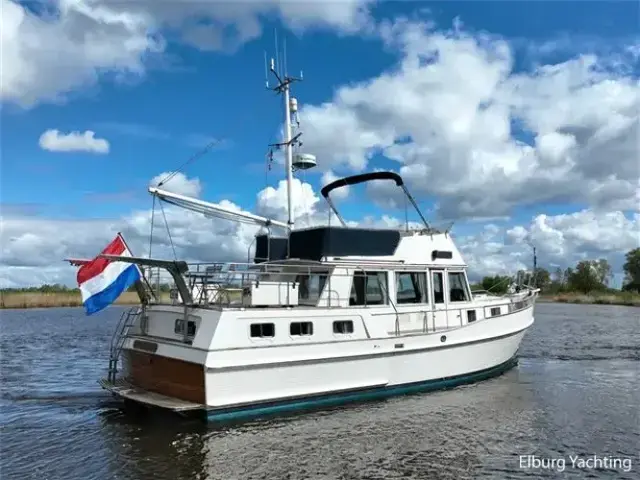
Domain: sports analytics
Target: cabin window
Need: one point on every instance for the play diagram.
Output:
(471, 316)
(458, 287)
(179, 327)
(438, 287)
(343, 326)
(495, 311)
(411, 287)
(369, 288)
(310, 287)
(301, 328)
(261, 330)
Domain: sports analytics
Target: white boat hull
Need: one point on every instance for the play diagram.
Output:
(420, 360)
(281, 378)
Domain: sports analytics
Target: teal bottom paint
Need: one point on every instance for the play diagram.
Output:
(335, 399)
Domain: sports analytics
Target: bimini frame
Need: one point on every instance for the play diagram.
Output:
(366, 177)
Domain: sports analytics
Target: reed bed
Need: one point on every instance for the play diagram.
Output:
(54, 299)
(623, 298)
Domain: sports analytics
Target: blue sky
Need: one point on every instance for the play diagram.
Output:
(188, 95)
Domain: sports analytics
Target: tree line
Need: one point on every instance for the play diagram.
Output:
(587, 276)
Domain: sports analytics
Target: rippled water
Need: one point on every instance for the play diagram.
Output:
(576, 391)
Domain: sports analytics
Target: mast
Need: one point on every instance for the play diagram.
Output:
(288, 152)
(283, 87)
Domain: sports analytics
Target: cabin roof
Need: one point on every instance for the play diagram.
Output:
(320, 242)
(347, 244)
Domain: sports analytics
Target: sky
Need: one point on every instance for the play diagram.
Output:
(517, 121)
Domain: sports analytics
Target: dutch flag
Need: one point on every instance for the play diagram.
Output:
(101, 280)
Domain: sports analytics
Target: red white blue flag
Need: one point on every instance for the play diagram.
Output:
(101, 280)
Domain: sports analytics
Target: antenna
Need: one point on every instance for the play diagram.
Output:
(284, 55)
(277, 52)
(266, 74)
(290, 108)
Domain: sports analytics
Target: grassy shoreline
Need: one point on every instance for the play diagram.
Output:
(623, 298)
(73, 299)
(54, 299)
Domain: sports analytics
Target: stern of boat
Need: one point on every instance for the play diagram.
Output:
(157, 356)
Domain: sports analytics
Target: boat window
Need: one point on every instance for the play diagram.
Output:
(343, 326)
(471, 316)
(179, 327)
(301, 328)
(263, 330)
(369, 288)
(310, 287)
(438, 287)
(458, 287)
(495, 311)
(411, 287)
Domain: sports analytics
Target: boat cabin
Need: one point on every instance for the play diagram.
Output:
(345, 267)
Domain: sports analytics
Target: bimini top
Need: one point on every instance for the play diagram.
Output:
(363, 177)
(367, 177)
(319, 242)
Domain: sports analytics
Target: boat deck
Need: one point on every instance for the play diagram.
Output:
(127, 391)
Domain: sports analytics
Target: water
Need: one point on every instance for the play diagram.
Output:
(576, 391)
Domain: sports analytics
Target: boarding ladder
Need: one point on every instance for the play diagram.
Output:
(127, 319)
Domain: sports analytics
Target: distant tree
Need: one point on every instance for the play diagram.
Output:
(632, 271)
(542, 278)
(558, 275)
(587, 276)
(556, 282)
(46, 288)
(496, 284)
(568, 273)
(605, 274)
(476, 286)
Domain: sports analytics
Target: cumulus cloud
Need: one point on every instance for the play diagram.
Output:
(38, 245)
(47, 55)
(585, 232)
(177, 183)
(55, 141)
(33, 248)
(272, 202)
(338, 194)
(455, 115)
(50, 50)
(560, 240)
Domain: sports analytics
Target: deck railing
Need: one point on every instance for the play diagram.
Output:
(229, 284)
